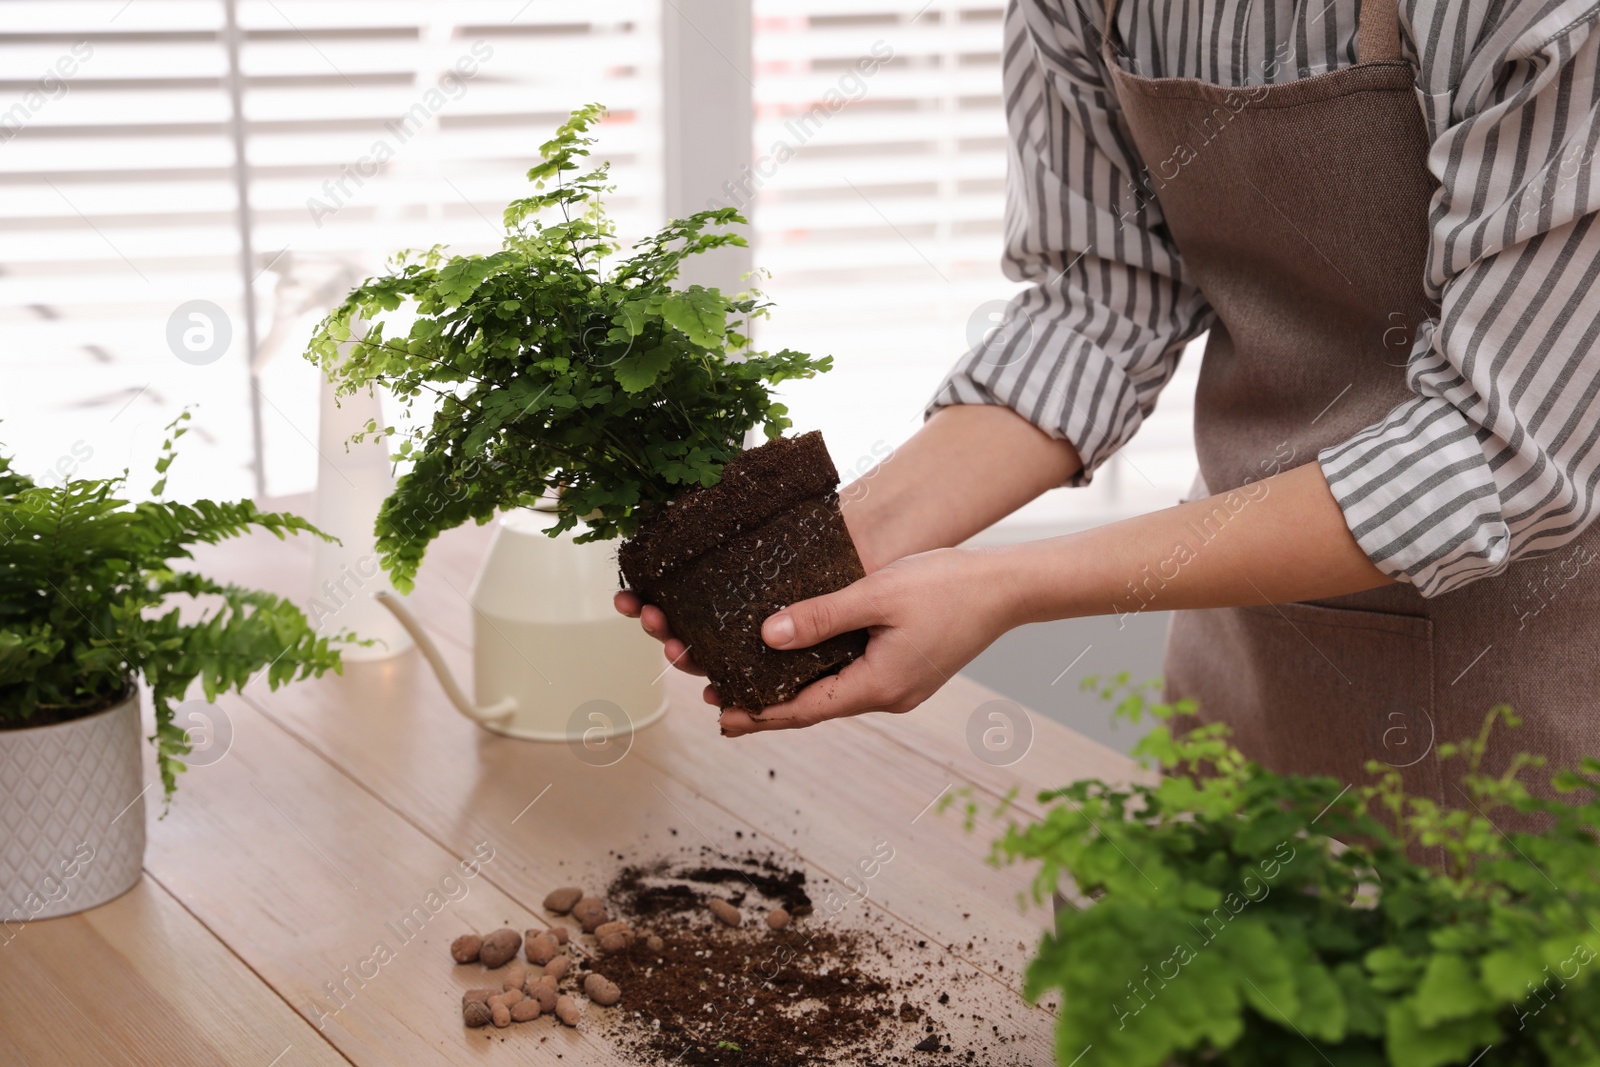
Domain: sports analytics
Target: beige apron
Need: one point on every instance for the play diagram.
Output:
(1301, 211)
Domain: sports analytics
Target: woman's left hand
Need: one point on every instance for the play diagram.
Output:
(927, 616)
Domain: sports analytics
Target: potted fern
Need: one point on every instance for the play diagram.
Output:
(92, 604)
(1230, 916)
(556, 374)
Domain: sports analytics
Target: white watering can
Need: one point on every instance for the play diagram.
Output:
(552, 659)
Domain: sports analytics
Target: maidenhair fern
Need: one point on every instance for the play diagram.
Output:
(1228, 916)
(548, 370)
(91, 598)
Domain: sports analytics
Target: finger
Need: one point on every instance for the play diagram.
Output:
(709, 695)
(654, 621)
(678, 656)
(627, 602)
(804, 624)
(835, 697)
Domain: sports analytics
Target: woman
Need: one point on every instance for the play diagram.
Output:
(1386, 219)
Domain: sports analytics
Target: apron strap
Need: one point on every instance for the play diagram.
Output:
(1110, 28)
(1377, 40)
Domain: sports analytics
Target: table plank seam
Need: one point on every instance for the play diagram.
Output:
(180, 902)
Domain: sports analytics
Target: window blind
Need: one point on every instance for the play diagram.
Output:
(367, 126)
(878, 196)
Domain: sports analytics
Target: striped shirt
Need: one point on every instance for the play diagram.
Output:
(1495, 457)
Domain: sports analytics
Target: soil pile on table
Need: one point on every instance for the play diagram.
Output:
(813, 992)
(703, 959)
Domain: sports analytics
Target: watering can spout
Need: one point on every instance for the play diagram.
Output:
(497, 712)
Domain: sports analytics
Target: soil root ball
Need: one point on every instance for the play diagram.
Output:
(722, 558)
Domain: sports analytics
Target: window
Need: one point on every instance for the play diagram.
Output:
(881, 223)
(367, 126)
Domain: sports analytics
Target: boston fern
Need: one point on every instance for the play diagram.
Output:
(1218, 920)
(90, 600)
(549, 371)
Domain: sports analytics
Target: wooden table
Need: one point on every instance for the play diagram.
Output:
(342, 802)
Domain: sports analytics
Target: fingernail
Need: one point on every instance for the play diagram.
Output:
(778, 631)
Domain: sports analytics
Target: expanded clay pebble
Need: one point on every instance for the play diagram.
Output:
(557, 968)
(508, 998)
(725, 912)
(542, 949)
(500, 1015)
(516, 977)
(614, 936)
(561, 900)
(560, 933)
(524, 1011)
(475, 1013)
(464, 949)
(480, 995)
(602, 990)
(499, 947)
(590, 913)
(654, 943)
(567, 1011)
(544, 991)
(777, 918)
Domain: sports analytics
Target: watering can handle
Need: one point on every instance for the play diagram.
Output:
(496, 712)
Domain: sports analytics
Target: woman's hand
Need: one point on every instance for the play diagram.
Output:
(927, 617)
(654, 621)
(966, 467)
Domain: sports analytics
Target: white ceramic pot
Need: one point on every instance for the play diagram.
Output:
(71, 815)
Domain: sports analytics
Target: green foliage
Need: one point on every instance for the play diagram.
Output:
(549, 372)
(1217, 918)
(89, 599)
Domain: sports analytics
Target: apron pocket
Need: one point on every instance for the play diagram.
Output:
(1312, 689)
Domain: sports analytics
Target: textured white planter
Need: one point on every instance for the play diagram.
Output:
(71, 815)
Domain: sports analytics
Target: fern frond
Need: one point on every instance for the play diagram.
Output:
(89, 598)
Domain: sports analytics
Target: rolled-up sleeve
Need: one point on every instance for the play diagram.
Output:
(1495, 458)
(1085, 349)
